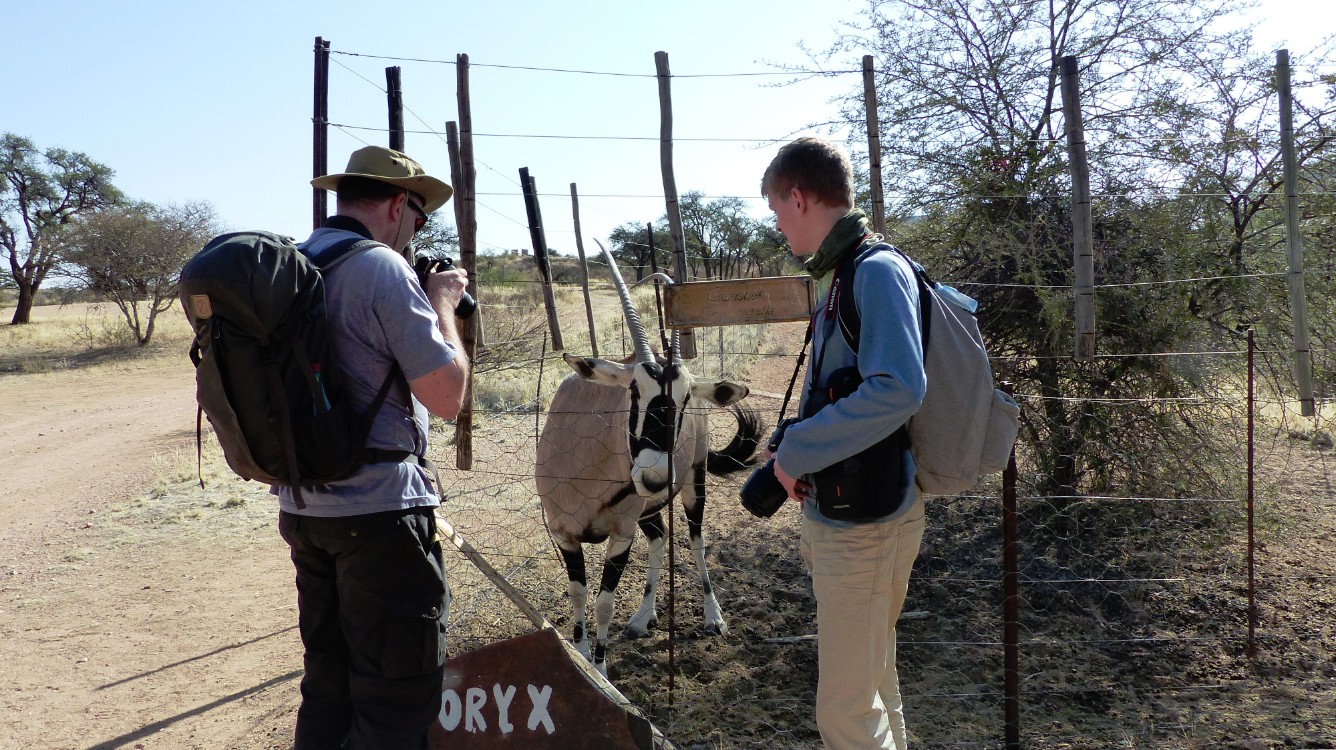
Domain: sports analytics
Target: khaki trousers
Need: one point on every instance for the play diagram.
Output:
(860, 576)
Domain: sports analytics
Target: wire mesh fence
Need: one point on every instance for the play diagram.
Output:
(1173, 574)
(1138, 625)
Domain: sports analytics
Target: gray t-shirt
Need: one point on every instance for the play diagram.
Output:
(378, 315)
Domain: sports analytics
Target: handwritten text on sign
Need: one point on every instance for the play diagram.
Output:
(723, 303)
(527, 692)
(468, 710)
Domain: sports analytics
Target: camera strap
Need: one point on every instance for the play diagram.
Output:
(802, 356)
(829, 315)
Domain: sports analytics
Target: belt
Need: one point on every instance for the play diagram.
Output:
(385, 456)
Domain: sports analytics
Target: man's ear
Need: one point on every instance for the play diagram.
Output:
(396, 206)
(799, 200)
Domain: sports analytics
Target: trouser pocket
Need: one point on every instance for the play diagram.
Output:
(414, 638)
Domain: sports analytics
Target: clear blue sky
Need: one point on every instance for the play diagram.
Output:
(212, 101)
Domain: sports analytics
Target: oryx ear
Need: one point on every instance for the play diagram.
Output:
(718, 392)
(600, 370)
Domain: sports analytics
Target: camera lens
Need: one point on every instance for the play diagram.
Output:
(762, 494)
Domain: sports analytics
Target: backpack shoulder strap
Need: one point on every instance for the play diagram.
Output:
(847, 318)
(846, 310)
(341, 250)
(330, 257)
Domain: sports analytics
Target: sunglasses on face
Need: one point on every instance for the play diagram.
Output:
(420, 220)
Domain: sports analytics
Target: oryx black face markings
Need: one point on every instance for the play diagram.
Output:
(634, 424)
(657, 429)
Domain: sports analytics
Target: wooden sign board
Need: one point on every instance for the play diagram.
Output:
(771, 299)
(526, 693)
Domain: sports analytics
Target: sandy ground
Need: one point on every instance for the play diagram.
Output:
(122, 634)
(137, 611)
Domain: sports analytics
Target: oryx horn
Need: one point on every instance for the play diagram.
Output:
(643, 352)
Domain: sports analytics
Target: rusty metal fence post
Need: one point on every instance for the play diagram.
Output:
(1252, 600)
(1011, 681)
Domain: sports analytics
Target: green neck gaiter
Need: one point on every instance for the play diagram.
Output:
(847, 234)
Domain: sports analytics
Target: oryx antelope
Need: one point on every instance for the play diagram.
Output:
(603, 463)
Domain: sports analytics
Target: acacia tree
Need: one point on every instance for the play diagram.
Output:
(631, 244)
(972, 135)
(437, 238)
(768, 253)
(1230, 161)
(722, 240)
(132, 256)
(39, 194)
(717, 234)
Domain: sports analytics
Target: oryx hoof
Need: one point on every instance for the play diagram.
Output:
(716, 628)
(634, 630)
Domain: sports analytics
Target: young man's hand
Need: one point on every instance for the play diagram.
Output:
(797, 489)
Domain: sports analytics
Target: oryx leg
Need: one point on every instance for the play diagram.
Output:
(694, 506)
(577, 590)
(619, 551)
(646, 617)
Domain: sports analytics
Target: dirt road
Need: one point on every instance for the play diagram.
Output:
(115, 632)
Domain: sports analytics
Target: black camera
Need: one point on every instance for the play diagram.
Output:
(762, 494)
(427, 264)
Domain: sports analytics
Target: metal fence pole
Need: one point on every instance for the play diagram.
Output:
(1011, 602)
(1252, 590)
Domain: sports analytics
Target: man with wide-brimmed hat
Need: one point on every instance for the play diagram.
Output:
(372, 597)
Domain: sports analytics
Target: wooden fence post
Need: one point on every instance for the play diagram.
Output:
(395, 99)
(320, 133)
(687, 336)
(1083, 254)
(1303, 362)
(873, 146)
(463, 177)
(584, 270)
(467, 201)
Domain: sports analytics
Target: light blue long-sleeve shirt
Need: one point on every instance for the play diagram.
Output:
(890, 361)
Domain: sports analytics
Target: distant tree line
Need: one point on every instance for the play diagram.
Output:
(722, 242)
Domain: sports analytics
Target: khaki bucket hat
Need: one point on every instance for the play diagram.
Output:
(398, 169)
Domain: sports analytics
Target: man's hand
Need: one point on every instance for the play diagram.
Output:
(796, 488)
(446, 288)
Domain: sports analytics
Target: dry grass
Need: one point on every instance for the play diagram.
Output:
(518, 369)
(82, 335)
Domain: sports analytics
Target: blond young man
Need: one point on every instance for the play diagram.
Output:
(860, 569)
